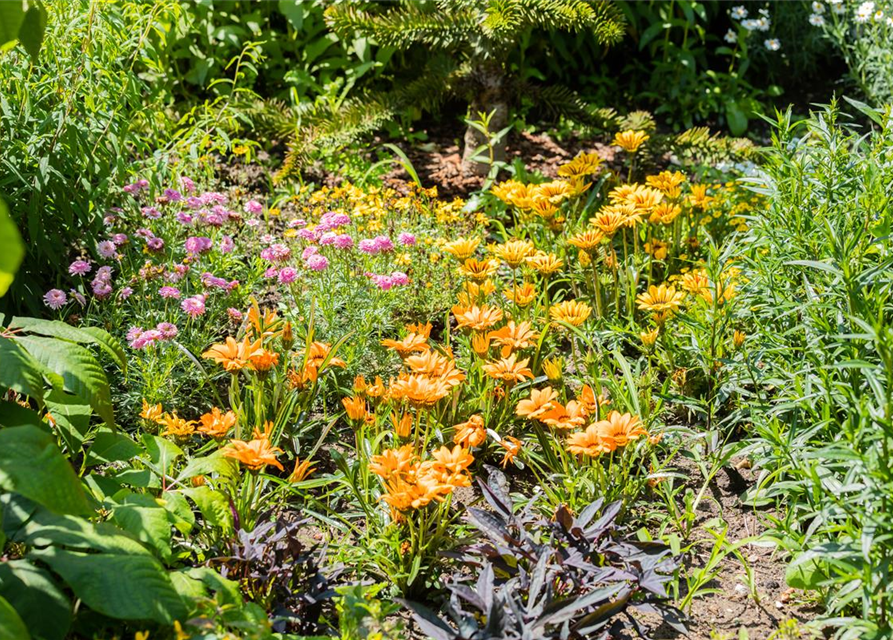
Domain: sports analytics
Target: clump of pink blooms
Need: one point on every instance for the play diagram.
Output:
(387, 282)
(139, 338)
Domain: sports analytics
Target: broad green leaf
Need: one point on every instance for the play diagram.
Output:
(188, 587)
(179, 511)
(206, 465)
(12, 14)
(147, 520)
(19, 371)
(13, 414)
(71, 415)
(130, 587)
(79, 369)
(109, 446)
(736, 118)
(36, 597)
(216, 582)
(213, 505)
(160, 450)
(32, 29)
(32, 465)
(12, 251)
(81, 335)
(11, 625)
(806, 572)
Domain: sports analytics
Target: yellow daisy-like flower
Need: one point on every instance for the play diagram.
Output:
(522, 295)
(462, 248)
(589, 240)
(630, 140)
(555, 192)
(545, 263)
(478, 270)
(661, 299)
(664, 213)
(584, 164)
(611, 218)
(667, 182)
(572, 312)
(514, 252)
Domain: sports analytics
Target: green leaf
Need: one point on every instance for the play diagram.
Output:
(19, 371)
(806, 572)
(736, 118)
(130, 587)
(71, 415)
(32, 465)
(81, 335)
(112, 447)
(160, 450)
(15, 415)
(206, 465)
(11, 625)
(12, 251)
(36, 597)
(79, 369)
(142, 516)
(11, 16)
(32, 29)
(213, 506)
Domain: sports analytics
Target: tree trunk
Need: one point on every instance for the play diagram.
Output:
(490, 98)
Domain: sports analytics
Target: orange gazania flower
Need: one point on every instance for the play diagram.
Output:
(509, 369)
(611, 218)
(480, 342)
(522, 295)
(176, 426)
(216, 424)
(435, 365)
(512, 448)
(539, 402)
(302, 470)
(568, 416)
(588, 443)
(411, 343)
(470, 433)
(262, 325)
(355, 407)
(545, 263)
(418, 390)
(620, 429)
(478, 270)
(477, 318)
(420, 329)
(263, 360)
(254, 454)
(589, 240)
(233, 355)
(448, 466)
(573, 312)
(514, 336)
(151, 412)
(402, 424)
(319, 354)
(392, 462)
(592, 402)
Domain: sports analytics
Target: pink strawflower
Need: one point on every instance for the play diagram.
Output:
(383, 243)
(107, 249)
(133, 333)
(254, 207)
(317, 263)
(124, 293)
(78, 297)
(167, 330)
(194, 306)
(343, 241)
(104, 274)
(272, 272)
(368, 246)
(55, 299)
(253, 223)
(406, 239)
(173, 195)
(198, 244)
(309, 251)
(79, 268)
(169, 292)
(399, 278)
(328, 238)
(287, 275)
(234, 314)
(297, 224)
(227, 244)
(151, 212)
(154, 244)
(187, 184)
(184, 218)
(101, 288)
(120, 238)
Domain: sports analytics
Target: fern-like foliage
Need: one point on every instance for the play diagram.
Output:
(403, 26)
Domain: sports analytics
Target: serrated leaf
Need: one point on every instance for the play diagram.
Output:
(71, 416)
(213, 506)
(19, 371)
(81, 335)
(79, 369)
(206, 465)
(32, 465)
(147, 520)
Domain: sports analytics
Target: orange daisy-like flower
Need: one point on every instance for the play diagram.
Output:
(420, 329)
(233, 355)
(302, 470)
(588, 443)
(611, 218)
(392, 462)
(544, 208)
(630, 140)
(435, 365)
(664, 213)
(477, 318)
(262, 325)
(514, 252)
(418, 390)
(620, 429)
(539, 402)
(514, 336)
(355, 407)
(402, 424)
(216, 424)
(412, 343)
(151, 412)
(176, 426)
(662, 299)
(522, 295)
(509, 369)
(589, 240)
(319, 354)
(592, 402)
(667, 182)
(572, 312)
(478, 270)
(263, 360)
(512, 448)
(584, 164)
(570, 416)
(480, 342)
(462, 248)
(254, 454)
(470, 433)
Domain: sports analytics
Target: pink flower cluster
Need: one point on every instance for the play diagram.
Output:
(198, 244)
(102, 283)
(210, 280)
(136, 187)
(332, 220)
(376, 245)
(194, 306)
(139, 338)
(276, 253)
(387, 282)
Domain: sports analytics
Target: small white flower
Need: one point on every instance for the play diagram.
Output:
(749, 24)
(763, 24)
(839, 9)
(878, 16)
(864, 12)
(818, 7)
(731, 36)
(764, 13)
(739, 13)
(889, 22)
(816, 20)
(772, 44)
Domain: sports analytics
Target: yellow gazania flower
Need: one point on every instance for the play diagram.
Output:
(216, 424)
(355, 407)
(151, 412)
(661, 299)
(514, 252)
(610, 218)
(477, 318)
(668, 183)
(480, 342)
(699, 197)
(656, 248)
(696, 282)
(664, 213)
(478, 270)
(553, 368)
(555, 191)
(738, 338)
(514, 336)
(302, 470)
(508, 190)
(630, 140)
(644, 199)
(522, 295)
(588, 240)
(545, 263)
(544, 208)
(572, 312)
(539, 402)
(462, 248)
(509, 369)
(648, 338)
(176, 426)
(470, 433)
(584, 164)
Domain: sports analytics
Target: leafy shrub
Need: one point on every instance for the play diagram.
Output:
(565, 577)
